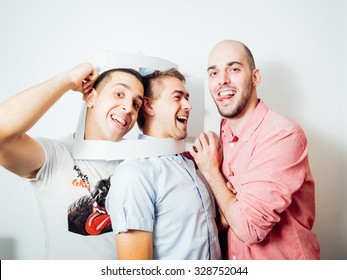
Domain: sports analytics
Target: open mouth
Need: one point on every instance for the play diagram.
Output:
(182, 119)
(229, 93)
(119, 120)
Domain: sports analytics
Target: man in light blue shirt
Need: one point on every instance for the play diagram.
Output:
(159, 207)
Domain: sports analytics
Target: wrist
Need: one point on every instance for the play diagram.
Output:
(65, 80)
(213, 176)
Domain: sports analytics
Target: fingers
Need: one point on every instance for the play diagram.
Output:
(83, 77)
(87, 86)
(204, 143)
(231, 187)
(90, 79)
(193, 151)
(87, 90)
(206, 140)
(213, 140)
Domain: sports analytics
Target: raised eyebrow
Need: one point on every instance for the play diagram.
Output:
(231, 63)
(234, 62)
(213, 67)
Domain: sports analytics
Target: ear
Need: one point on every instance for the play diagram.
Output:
(256, 79)
(90, 98)
(147, 106)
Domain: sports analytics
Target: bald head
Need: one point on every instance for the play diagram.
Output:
(226, 50)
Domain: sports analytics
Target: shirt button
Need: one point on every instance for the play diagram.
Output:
(234, 257)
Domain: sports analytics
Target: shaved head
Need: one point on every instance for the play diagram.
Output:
(232, 45)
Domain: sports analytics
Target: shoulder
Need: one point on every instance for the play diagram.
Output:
(134, 169)
(65, 142)
(278, 132)
(142, 164)
(277, 123)
(56, 150)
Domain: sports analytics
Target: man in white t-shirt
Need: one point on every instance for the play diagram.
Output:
(71, 193)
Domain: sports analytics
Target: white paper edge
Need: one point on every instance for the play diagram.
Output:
(112, 59)
(126, 149)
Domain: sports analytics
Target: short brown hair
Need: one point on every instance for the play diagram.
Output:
(105, 77)
(153, 87)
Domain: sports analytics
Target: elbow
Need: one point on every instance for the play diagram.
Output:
(253, 234)
(7, 135)
(251, 229)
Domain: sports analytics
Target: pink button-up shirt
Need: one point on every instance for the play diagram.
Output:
(267, 163)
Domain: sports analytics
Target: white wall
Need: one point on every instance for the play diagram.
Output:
(300, 47)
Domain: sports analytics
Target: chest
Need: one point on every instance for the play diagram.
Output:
(238, 156)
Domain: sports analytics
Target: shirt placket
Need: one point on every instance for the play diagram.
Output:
(230, 141)
(203, 202)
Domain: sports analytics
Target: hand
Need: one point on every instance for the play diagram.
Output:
(231, 188)
(206, 153)
(83, 77)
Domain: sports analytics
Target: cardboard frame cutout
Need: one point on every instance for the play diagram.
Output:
(135, 148)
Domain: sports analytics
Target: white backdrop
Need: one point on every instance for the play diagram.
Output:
(299, 46)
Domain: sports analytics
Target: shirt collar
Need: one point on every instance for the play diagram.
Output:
(249, 127)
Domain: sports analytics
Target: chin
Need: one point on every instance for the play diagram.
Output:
(115, 138)
(181, 137)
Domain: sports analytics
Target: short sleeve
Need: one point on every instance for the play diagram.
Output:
(55, 153)
(130, 201)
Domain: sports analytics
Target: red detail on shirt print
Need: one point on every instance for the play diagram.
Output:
(97, 221)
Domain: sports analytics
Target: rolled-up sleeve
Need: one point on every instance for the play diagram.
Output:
(276, 170)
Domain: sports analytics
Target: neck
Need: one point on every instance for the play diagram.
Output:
(239, 121)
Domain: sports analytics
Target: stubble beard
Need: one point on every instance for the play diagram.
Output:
(239, 106)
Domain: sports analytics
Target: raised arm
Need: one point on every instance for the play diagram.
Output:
(19, 153)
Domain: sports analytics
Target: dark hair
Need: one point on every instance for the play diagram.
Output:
(104, 77)
(153, 87)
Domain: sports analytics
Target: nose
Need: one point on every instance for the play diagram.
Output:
(127, 105)
(186, 104)
(224, 78)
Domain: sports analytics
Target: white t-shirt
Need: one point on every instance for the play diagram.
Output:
(76, 227)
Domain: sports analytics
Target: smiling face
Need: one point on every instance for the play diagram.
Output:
(168, 113)
(113, 110)
(232, 81)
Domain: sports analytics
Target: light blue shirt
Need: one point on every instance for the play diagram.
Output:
(165, 196)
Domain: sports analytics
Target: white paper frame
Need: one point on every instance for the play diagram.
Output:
(134, 148)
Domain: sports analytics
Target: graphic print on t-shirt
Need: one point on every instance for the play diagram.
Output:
(88, 215)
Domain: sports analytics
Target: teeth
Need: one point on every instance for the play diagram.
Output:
(182, 119)
(226, 93)
(118, 119)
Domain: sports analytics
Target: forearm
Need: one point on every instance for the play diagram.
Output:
(21, 112)
(224, 198)
(208, 157)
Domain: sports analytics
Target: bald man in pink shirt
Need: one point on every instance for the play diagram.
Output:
(258, 170)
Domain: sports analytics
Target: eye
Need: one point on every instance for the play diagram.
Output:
(119, 94)
(136, 105)
(212, 74)
(234, 69)
(177, 97)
